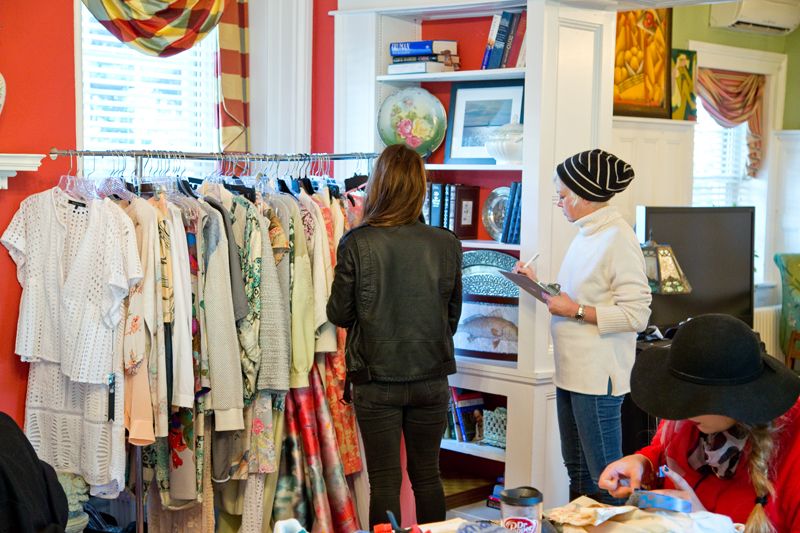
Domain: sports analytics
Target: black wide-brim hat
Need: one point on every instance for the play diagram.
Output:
(715, 365)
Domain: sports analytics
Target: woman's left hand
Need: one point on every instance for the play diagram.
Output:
(682, 490)
(561, 305)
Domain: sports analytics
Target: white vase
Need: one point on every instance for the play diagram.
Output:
(505, 144)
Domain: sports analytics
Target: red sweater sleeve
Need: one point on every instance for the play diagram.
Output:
(655, 450)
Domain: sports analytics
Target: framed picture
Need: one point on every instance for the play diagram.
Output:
(642, 63)
(477, 109)
(684, 80)
(488, 328)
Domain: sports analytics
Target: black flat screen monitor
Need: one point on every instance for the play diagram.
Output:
(714, 247)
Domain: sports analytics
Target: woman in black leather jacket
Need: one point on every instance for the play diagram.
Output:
(397, 290)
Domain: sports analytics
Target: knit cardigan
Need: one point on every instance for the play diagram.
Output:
(273, 373)
(604, 268)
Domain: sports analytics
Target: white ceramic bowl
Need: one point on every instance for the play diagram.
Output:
(505, 144)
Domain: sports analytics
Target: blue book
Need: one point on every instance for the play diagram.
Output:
(514, 213)
(490, 41)
(516, 209)
(507, 216)
(419, 48)
(499, 47)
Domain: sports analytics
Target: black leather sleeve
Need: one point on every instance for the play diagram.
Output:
(342, 302)
(454, 306)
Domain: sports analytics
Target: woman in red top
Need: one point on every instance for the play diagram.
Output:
(730, 439)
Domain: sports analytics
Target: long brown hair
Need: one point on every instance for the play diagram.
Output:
(396, 189)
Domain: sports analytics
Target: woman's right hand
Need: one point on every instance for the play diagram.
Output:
(520, 268)
(622, 476)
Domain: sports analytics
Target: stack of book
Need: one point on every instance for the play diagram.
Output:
(461, 420)
(419, 57)
(505, 46)
(454, 207)
(513, 215)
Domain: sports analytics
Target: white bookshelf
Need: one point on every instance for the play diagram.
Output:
(568, 84)
(488, 245)
(457, 75)
(472, 448)
(429, 10)
(463, 166)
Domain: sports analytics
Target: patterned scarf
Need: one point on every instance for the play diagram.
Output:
(719, 452)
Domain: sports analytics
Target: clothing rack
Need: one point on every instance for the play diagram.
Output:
(140, 157)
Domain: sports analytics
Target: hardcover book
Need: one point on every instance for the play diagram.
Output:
(466, 404)
(439, 58)
(519, 38)
(509, 209)
(436, 204)
(418, 48)
(466, 213)
(496, 56)
(446, 204)
(512, 30)
(490, 41)
(418, 67)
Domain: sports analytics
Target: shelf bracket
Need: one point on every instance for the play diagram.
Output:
(10, 164)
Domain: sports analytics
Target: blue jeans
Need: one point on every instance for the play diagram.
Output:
(591, 438)
(418, 411)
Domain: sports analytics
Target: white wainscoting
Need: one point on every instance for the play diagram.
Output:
(660, 152)
(766, 321)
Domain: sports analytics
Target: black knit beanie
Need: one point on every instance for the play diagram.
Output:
(595, 175)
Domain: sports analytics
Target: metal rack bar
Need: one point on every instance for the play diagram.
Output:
(210, 156)
(139, 157)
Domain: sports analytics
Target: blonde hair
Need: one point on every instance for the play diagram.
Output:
(571, 196)
(762, 447)
(396, 189)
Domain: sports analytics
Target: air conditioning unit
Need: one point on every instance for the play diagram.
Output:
(774, 17)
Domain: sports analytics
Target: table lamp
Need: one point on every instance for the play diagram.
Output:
(664, 274)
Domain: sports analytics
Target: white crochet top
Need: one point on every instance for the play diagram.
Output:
(68, 422)
(70, 263)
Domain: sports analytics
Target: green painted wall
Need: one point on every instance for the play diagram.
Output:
(691, 23)
(791, 112)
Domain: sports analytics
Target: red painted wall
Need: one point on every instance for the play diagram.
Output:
(322, 77)
(37, 62)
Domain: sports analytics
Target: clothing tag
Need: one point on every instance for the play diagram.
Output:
(111, 390)
(76, 203)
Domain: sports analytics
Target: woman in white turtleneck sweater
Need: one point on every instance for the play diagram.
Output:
(604, 301)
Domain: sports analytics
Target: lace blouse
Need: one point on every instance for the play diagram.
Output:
(72, 270)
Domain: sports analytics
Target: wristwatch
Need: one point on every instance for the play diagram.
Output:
(581, 313)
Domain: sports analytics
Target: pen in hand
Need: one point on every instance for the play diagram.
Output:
(531, 260)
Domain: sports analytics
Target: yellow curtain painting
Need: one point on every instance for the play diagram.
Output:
(642, 63)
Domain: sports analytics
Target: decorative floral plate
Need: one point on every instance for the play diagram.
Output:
(480, 273)
(413, 117)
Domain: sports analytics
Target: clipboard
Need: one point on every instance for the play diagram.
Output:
(536, 288)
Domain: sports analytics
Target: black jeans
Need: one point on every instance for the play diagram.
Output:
(418, 411)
